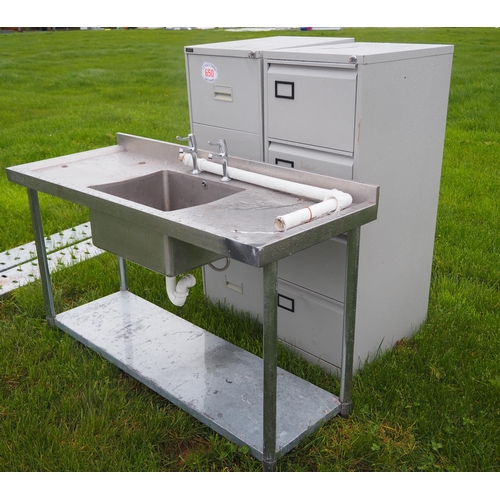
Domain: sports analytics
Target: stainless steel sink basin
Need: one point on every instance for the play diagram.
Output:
(165, 191)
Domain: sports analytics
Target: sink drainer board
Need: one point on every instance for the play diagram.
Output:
(215, 381)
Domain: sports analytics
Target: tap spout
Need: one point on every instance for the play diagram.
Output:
(193, 150)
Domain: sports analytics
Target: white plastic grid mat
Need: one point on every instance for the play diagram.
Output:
(19, 265)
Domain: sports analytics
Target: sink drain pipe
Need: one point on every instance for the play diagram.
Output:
(178, 291)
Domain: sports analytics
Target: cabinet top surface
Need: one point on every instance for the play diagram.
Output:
(320, 49)
(256, 46)
(365, 53)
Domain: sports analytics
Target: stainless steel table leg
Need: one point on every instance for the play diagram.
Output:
(346, 375)
(122, 269)
(270, 364)
(43, 265)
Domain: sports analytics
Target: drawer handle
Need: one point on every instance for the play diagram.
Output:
(286, 303)
(234, 286)
(283, 163)
(284, 90)
(223, 93)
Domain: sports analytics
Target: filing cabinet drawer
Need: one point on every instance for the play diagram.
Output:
(240, 144)
(311, 323)
(320, 268)
(311, 105)
(309, 160)
(239, 287)
(229, 95)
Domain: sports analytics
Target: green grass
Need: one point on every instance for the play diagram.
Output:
(432, 403)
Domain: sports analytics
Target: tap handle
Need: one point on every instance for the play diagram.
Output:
(191, 141)
(222, 146)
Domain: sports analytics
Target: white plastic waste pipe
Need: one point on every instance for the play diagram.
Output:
(178, 291)
(302, 190)
(337, 200)
(331, 199)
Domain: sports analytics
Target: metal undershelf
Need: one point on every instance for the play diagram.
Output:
(215, 381)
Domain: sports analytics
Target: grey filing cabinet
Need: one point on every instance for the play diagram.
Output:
(370, 112)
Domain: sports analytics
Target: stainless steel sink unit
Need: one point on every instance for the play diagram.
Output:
(146, 207)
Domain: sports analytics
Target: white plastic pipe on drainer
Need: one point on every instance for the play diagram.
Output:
(330, 199)
(336, 200)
